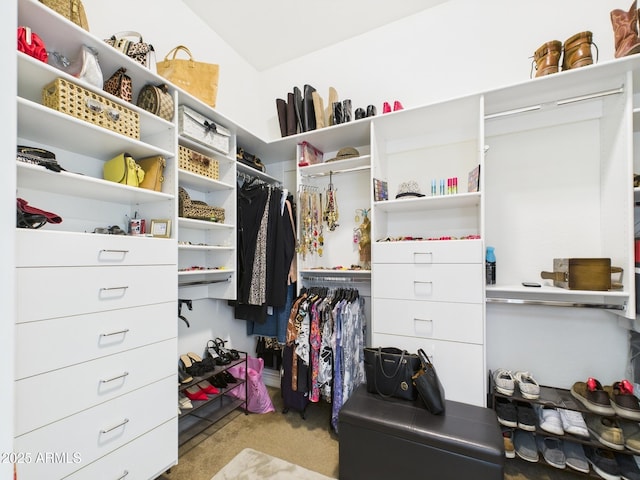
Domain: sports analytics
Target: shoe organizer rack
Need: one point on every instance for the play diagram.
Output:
(556, 398)
(205, 413)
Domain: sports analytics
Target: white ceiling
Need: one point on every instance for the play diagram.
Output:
(267, 33)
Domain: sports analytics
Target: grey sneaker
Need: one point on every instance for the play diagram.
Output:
(575, 457)
(631, 434)
(628, 467)
(603, 462)
(528, 385)
(525, 444)
(504, 382)
(573, 423)
(551, 449)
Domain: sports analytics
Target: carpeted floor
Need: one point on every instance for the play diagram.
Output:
(309, 443)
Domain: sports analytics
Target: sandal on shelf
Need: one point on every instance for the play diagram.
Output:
(217, 356)
(207, 388)
(232, 353)
(183, 376)
(207, 364)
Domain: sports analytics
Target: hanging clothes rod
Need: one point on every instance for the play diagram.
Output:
(247, 177)
(332, 172)
(336, 279)
(555, 303)
(202, 282)
(557, 103)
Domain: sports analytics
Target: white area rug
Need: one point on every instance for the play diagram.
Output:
(250, 464)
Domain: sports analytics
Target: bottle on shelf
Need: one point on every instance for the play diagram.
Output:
(490, 266)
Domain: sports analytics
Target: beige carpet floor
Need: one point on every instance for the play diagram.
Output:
(309, 443)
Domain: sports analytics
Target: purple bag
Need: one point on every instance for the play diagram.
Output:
(259, 400)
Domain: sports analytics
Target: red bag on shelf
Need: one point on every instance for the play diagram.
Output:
(31, 44)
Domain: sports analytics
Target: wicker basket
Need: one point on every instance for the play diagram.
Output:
(72, 99)
(195, 162)
(188, 208)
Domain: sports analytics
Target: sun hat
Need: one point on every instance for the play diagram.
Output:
(409, 189)
(344, 153)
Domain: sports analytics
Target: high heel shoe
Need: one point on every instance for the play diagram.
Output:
(397, 106)
(230, 352)
(228, 377)
(207, 388)
(216, 355)
(195, 393)
(386, 108)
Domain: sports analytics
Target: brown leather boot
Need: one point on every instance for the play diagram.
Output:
(547, 58)
(625, 31)
(577, 51)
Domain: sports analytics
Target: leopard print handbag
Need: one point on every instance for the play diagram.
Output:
(157, 100)
(119, 84)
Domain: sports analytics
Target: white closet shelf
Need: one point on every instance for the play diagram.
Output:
(201, 183)
(39, 178)
(206, 248)
(430, 203)
(556, 296)
(339, 166)
(202, 224)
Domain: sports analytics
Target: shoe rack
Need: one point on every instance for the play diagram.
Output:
(555, 398)
(205, 413)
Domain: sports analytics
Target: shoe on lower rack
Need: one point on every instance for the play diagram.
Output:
(606, 430)
(503, 380)
(552, 452)
(525, 444)
(573, 422)
(527, 385)
(506, 412)
(628, 466)
(623, 401)
(549, 419)
(631, 434)
(575, 457)
(603, 462)
(527, 418)
(509, 448)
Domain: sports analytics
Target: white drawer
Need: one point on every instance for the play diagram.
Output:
(460, 366)
(51, 249)
(95, 432)
(430, 251)
(134, 459)
(435, 282)
(51, 344)
(46, 398)
(61, 291)
(460, 322)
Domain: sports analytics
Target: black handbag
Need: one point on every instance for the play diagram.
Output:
(389, 372)
(428, 385)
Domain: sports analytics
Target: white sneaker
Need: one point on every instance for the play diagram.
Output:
(504, 381)
(573, 422)
(528, 386)
(549, 419)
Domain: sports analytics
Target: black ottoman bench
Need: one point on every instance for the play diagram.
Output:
(390, 438)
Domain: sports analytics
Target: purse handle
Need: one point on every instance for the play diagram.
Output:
(424, 359)
(175, 52)
(127, 33)
(375, 377)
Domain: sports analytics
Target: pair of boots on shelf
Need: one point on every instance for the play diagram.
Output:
(575, 52)
(304, 111)
(270, 350)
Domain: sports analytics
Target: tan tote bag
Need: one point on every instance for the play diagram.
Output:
(197, 78)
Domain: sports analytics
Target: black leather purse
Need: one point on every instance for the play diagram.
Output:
(389, 372)
(428, 385)
(250, 160)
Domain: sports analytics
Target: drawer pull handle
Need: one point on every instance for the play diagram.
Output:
(115, 378)
(106, 289)
(419, 257)
(124, 422)
(126, 472)
(114, 333)
(108, 250)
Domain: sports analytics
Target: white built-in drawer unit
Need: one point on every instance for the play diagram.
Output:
(429, 251)
(97, 431)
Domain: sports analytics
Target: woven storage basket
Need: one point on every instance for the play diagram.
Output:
(188, 208)
(69, 98)
(196, 162)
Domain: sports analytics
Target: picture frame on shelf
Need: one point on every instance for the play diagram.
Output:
(161, 228)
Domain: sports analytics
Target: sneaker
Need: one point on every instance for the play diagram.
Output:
(631, 434)
(528, 386)
(575, 457)
(525, 444)
(549, 419)
(623, 401)
(509, 449)
(573, 423)
(506, 412)
(606, 430)
(603, 462)
(526, 417)
(592, 396)
(628, 467)
(551, 449)
(503, 380)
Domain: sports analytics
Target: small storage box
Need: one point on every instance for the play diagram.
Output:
(201, 129)
(196, 162)
(72, 99)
